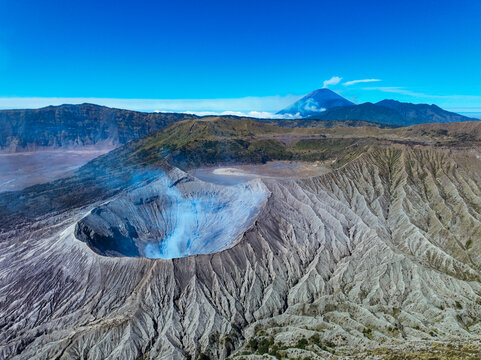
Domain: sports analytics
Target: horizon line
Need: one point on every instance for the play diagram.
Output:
(252, 106)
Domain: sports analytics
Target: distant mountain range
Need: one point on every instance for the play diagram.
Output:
(89, 124)
(71, 126)
(326, 105)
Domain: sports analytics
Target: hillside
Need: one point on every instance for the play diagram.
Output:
(210, 141)
(217, 141)
(380, 256)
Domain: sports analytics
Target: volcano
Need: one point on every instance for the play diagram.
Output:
(314, 103)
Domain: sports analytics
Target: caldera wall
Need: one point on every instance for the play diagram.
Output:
(172, 218)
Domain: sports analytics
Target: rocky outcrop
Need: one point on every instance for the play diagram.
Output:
(381, 252)
(70, 126)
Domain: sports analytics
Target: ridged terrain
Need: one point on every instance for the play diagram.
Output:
(381, 253)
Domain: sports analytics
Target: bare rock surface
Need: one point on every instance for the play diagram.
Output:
(383, 252)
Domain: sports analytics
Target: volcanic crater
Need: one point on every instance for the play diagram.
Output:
(172, 218)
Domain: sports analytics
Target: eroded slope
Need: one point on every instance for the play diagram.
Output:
(383, 252)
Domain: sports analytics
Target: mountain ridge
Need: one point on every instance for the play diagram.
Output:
(326, 105)
(71, 125)
(392, 112)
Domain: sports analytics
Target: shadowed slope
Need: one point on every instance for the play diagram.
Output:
(77, 125)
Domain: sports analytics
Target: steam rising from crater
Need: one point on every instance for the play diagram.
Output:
(170, 220)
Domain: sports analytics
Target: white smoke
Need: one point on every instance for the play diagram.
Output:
(204, 222)
(332, 81)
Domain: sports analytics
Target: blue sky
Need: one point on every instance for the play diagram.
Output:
(238, 55)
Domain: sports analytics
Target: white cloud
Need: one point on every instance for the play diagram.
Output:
(253, 114)
(312, 106)
(332, 81)
(352, 82)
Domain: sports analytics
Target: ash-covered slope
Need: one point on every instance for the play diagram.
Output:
(382, 253)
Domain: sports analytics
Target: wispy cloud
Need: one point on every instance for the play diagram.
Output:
(399, 90)
(458, 103)
(352, 82)
(404, 91)
(332, 81)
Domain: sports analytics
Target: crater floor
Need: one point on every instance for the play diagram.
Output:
(236, 174)
(23, 169)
